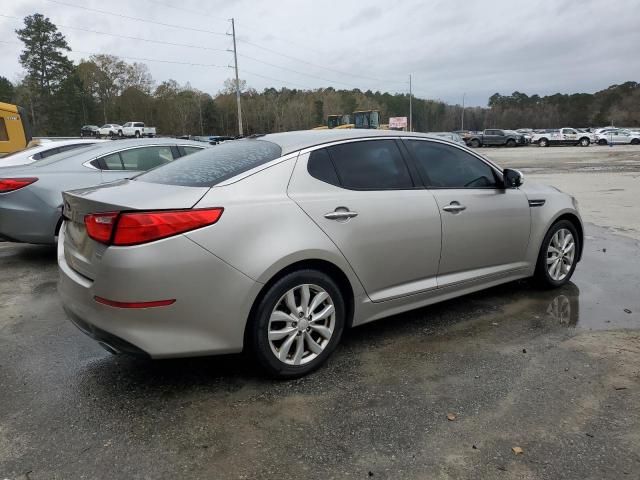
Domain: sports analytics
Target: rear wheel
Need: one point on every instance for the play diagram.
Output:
(558, 255)
(297, 324)
(543, 142)
(137, 134)
(585, 142)
(602, 141)
(511, 143)
(475, 143)
(635, 141)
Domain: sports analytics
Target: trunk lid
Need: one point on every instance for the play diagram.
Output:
(80, 251)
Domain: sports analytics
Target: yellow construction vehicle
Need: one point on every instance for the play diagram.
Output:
(15, 133)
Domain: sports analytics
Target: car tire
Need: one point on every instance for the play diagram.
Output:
(543, 142)
(511, 143)
(272, 327)
(120, 133)
(475, 143)
(81, 134)
(584, 142)
(137, 134)
(635, 141)
(602, 141)
(552, 273)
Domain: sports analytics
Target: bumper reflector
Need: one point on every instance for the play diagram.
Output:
(113, 303)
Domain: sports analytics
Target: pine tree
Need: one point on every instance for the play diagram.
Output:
(45, 62)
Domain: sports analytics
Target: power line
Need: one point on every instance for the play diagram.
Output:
(189, 10)
(141, 59)
(201, 13)
(137, 19)
(129, 37)
(153, 60)
(316, 65)
(276, 79)
(295, 71)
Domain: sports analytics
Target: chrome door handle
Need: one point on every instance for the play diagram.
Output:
(340, 215)
(454, 207)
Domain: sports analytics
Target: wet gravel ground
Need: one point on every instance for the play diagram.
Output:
(556, 373)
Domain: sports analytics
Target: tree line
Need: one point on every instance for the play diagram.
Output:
(60, 96)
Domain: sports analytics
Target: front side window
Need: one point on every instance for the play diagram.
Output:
(370, 165)
(211, 166)
(146, 158)
(445, 166)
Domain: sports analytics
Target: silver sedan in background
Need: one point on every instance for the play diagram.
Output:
(276, 244)
(31, 195)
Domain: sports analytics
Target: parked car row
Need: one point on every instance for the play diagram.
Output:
(275, 244)
(129, 129)
(31, 193)
(550, 137)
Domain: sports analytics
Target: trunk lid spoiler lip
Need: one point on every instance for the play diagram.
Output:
(78, 203)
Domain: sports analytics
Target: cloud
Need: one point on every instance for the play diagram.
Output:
(450, 47)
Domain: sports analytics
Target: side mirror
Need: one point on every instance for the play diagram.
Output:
(512, 178)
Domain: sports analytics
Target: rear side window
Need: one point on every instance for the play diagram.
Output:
(214, 165)
(371, 165)
(320, 167)
(445, 166)
(189, 150)
(146, 158)
(112, 162)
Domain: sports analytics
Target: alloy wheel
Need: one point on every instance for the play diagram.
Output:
(560, 254)
(301, 324)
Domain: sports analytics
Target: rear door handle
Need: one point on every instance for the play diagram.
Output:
(340, 214)
(454, 207)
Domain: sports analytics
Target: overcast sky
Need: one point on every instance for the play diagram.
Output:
(449, 46)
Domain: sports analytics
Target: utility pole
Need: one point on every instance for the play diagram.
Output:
(462, 122)
(235, 59)
(410, 106)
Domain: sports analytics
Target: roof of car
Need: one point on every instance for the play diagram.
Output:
(301, 139)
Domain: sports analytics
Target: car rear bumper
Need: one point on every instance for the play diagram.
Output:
(212, 299)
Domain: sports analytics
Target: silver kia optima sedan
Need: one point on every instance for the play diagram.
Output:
(275, 244)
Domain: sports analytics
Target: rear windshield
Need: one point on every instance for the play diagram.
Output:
(214, 165)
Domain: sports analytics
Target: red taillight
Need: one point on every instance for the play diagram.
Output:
(113, 303)
(134, 228)
(100, 225)
(11, 184)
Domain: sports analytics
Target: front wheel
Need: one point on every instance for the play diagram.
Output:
(511, 143)
(137, 134)
(297, 324)
(558, 255)
(475, 143)
(585, 142)
(635, 141)
(602, 141)
(543, 142)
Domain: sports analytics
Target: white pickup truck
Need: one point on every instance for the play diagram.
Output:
(137, 129)
(563, 136)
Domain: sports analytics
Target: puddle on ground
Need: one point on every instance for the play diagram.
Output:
(603, 293)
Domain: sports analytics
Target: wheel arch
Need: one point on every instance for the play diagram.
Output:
(577, 223)
(324, 266)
